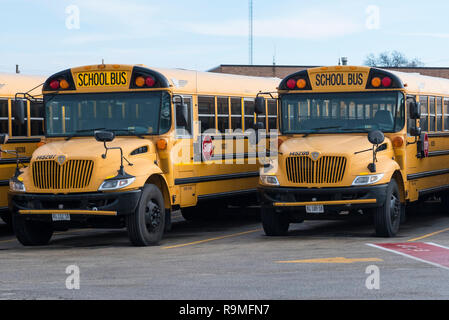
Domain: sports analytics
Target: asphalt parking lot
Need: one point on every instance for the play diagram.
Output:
(230, 258)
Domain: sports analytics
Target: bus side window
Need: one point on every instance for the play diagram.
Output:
(272, 114)
(206, 113)
(424, 121)
(223, 114)
(446, 114)
(236, 114)
(249, 113)
(3, 116)
(432, 114)
(37, 118)
(262, 118)
(183, 118)
(439, 114)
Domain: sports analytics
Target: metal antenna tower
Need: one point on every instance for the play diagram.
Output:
(251, 33)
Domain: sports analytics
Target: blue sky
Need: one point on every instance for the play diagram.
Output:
(199, 34)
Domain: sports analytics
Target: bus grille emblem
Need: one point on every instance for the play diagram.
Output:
(61, 160)
(315, 156)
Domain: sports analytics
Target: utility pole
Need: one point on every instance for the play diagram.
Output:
(251, 33)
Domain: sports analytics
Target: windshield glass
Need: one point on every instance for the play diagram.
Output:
(342, 112)
(130, 113)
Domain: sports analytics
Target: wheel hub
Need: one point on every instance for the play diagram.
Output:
(152, 215)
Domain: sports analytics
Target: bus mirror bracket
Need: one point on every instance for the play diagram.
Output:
(376, 138)
(3, 140)
(108, 136)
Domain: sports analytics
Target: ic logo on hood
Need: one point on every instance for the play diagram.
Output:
(61, 160)
(315, 156)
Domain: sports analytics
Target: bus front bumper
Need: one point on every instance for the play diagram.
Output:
(332, 199)
(79, 206)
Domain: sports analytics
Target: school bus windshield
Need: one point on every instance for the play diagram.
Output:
(131, 113)
(342, 112)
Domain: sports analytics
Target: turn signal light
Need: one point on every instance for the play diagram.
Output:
(301, 83)
(161, 144)
(140, 81)
(376, 82)
(398, 142)
(64, 84)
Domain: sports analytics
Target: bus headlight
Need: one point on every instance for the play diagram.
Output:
(16, 185)
(368, 179)
(115, 184)
(269, 180)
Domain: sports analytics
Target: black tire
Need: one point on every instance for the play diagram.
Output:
(387, 218)
(274, 223)
(445, 202)
(6, 217)
(192, 213)
(31, 233)
(146, 225)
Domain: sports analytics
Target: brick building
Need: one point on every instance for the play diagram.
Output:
(280, 71)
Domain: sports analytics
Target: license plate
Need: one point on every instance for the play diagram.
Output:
(60, 217)
(315, 209)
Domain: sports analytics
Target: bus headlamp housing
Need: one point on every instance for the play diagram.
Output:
(269, 180)
(16, 185)
(367, 179)
(115, 184)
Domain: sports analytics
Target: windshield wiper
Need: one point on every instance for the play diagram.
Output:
(313, 130)
(81, 131)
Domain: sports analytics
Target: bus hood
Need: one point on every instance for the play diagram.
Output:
(89, 148)
(334, 144)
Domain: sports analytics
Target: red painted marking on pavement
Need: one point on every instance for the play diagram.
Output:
(431, 253)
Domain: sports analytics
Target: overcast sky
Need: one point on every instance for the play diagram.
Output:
(46, 36)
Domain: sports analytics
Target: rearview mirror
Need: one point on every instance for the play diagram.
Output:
(415, 110)
(260, 105)
(18, 111)
(376, 137)
(104, 136)
(3, 138)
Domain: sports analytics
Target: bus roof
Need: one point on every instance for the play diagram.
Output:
(208, 82)
(11, 83)
(355, 78)
(418, 83)
(179, 80)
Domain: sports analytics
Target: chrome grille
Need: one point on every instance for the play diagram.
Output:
(327, 169)
(73, 174)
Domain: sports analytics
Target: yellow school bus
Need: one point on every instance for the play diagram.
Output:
(126, 145)
(24, 133)
(356, 140)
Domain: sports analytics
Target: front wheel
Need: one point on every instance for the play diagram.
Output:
(31, 233)
(146, 225)
(387, 218)
(274, 223)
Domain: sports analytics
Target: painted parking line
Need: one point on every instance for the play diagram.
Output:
(428, 252)
(428, 235)
(211, 239)
(338, 260)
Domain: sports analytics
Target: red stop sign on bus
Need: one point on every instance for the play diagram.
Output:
(426, 145)
(207, 148)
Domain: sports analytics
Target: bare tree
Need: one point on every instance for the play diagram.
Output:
(392, 59)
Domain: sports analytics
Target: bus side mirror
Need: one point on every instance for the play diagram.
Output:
(18, 111)
(104, 136)
(3, 138)
(376, 137)
(415, 110)
(260, 105)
